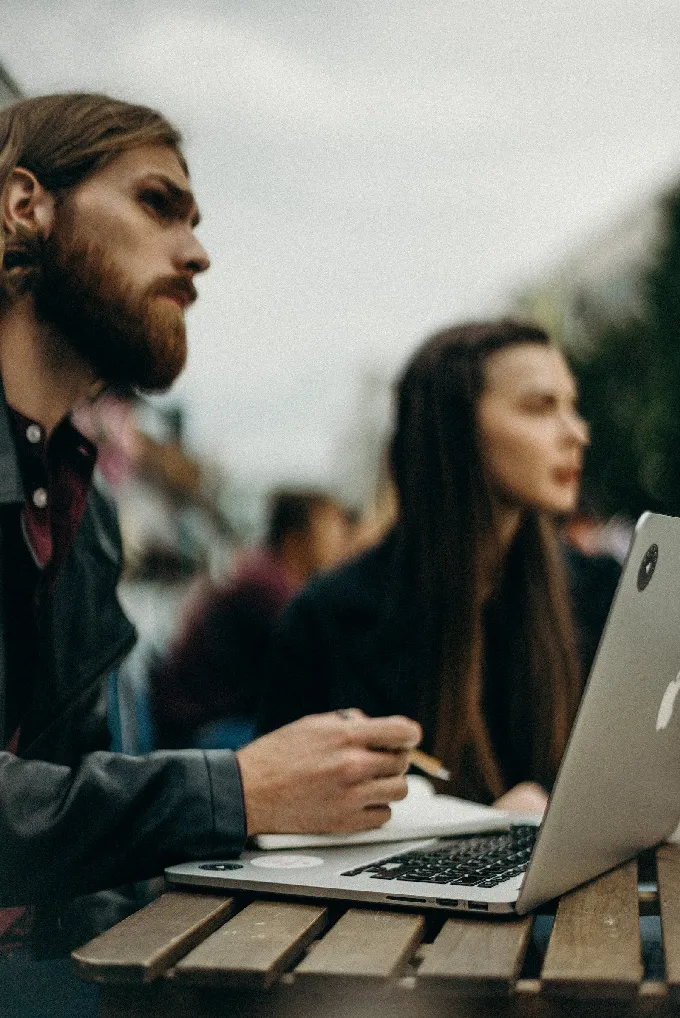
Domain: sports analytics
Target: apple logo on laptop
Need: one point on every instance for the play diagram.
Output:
(667, 703)
(647, 567)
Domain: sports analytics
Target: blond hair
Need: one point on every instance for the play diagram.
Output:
(62, 139)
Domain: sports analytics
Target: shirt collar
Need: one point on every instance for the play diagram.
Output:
(11, 486)
(34, 451)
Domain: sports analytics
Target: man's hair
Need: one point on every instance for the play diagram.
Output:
(62, 139)
(290, 513)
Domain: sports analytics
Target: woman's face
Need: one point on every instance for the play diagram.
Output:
(532, 437)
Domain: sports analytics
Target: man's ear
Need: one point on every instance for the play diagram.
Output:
(26, 204)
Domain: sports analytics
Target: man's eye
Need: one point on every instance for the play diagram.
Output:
(157, 201)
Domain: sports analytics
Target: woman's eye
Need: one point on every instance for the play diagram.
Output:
(540, 405)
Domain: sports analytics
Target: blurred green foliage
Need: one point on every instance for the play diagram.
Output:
(629, 381)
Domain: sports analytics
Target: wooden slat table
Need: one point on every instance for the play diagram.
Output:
(204, 955)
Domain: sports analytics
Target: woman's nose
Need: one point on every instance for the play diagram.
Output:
(576, 429)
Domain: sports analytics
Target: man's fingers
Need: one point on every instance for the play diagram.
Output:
(350, 713)
(369, 818)
(356, 765)
(398, 733)
(385, 764)
(382, 791)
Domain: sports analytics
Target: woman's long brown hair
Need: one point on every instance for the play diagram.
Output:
(445, 519)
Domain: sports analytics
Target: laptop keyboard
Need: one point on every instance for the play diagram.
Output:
(471, 860)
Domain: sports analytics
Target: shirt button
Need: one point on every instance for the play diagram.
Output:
(40, 498)
(33, 433)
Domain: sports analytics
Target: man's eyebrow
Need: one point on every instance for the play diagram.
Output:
(182, 197)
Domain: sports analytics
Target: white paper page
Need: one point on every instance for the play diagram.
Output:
(422, 814)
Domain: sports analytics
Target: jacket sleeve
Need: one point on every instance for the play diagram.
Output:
(112, 819)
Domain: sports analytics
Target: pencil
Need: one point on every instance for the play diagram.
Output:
(429, 765)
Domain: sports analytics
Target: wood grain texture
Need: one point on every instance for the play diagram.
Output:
(477, 955)
(143, 945)
(254, 947)
(357, 999)
(364, 944)
(594, 950)
(668, 877)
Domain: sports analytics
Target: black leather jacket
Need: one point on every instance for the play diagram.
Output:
(75, 818)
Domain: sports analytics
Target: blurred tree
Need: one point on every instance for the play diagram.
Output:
(629, 380)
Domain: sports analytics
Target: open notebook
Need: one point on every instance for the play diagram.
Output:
(422, 814)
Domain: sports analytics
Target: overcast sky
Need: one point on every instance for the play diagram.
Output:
(367, 172)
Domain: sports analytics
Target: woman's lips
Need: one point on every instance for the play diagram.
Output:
(567, 475)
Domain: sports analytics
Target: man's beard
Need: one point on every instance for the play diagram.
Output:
(133, 341)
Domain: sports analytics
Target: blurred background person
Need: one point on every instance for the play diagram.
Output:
(470, 615)
(205, 690)
(369, 526)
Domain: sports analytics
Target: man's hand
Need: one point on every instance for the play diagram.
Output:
(326, 773)
(527, 797)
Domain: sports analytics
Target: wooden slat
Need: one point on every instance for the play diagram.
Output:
(364, 944)
(595, 949)
(477, 955)
(668, 877)
(143, 945)
(254, 947)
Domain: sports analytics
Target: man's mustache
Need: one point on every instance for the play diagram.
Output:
(174, 286)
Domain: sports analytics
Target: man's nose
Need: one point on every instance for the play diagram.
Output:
(195, 258)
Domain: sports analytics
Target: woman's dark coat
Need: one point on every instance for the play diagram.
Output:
(350, 639)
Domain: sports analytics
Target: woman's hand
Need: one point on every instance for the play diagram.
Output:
(527, 797)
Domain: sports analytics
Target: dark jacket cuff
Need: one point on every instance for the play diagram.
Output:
(229, 814)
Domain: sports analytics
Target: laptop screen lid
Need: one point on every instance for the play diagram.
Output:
(618, 787)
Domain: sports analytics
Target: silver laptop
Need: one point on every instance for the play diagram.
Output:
(617, 791)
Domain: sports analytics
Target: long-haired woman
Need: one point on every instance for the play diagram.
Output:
(470, 616)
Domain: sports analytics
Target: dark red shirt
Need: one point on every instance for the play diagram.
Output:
(56, 473)
(37, 536)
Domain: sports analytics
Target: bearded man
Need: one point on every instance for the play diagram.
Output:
(99, 258)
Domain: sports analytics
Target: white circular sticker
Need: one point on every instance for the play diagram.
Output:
(286, 862)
